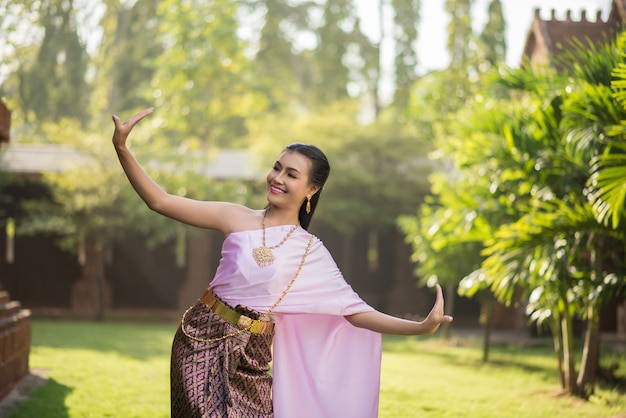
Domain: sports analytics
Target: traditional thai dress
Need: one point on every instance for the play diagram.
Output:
(323, 367)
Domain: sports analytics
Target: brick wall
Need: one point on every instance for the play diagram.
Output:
(14, 343)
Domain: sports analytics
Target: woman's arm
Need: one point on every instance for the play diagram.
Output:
(209, 215)
(387, 324)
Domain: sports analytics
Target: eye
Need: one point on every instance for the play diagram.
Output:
(293, 176)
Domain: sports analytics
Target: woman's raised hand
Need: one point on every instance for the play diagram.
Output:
(122, 129)
(436, 316)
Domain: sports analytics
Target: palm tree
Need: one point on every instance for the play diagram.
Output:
(564, 246)
(537, 178)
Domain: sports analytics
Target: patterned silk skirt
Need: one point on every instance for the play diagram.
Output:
(225, 378)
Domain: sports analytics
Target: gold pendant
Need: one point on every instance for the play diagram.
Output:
(263, 256)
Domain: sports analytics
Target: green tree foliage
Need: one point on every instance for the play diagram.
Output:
(277, 57)
(343, 61)
(311, 54)
(448, 232)
(19, 34)
(608, 193)
(492, 40)
(437, 104)
(461, 39)
(334, 38)
(525, 188)
(471, 55)
(203, 82)
(126, 61)
(406, 18)
(54, 85)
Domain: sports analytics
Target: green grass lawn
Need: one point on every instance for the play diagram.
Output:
(122, 370)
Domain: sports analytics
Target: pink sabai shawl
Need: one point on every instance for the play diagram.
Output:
(323, 366)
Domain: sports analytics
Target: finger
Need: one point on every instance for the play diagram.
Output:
(439, 291)
(447, 318)
(139, 116)
(439, 297)
(444, 318)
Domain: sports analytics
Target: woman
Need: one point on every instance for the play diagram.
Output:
(276, 285)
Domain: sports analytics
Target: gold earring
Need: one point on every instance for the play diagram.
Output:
(308, 204)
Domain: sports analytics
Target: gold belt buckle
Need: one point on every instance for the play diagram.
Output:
(244, 322)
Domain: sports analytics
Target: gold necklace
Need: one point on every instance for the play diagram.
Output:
(263, 255)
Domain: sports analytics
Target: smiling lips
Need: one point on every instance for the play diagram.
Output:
(276, 190)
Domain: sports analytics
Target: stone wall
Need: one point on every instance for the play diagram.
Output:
(14, 343)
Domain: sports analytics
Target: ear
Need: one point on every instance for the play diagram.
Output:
(314, 188)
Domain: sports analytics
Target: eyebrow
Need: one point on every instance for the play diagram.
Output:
(288, 168)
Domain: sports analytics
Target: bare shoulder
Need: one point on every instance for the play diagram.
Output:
(239, 217)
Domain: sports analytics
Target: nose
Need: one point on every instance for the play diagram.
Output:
(279, 177)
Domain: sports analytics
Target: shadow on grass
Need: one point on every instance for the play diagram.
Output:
(536, 358)
(49, 397)
(468, 354)
(137, 340)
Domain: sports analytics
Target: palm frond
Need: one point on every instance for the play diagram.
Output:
(607, 189)
(589, 61)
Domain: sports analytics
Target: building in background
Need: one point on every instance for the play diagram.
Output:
(548, 39)
(15, 329)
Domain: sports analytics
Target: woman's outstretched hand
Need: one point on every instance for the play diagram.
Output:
(122, 129)
(387, 324)
(436, 317)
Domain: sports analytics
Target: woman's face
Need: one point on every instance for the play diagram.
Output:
(288, 180)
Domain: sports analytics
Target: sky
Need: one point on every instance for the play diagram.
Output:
(518, 14)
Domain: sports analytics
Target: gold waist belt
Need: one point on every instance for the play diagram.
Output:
(233, 317)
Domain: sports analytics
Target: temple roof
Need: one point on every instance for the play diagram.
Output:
(548, 37)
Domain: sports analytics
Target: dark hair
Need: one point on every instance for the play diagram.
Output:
(320, 169)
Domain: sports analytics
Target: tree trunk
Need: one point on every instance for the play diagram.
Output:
(91, 294)
(95, 252)
(591, 351)
(346, 254)
(199, 247)
(569, 357)
(557, 338)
